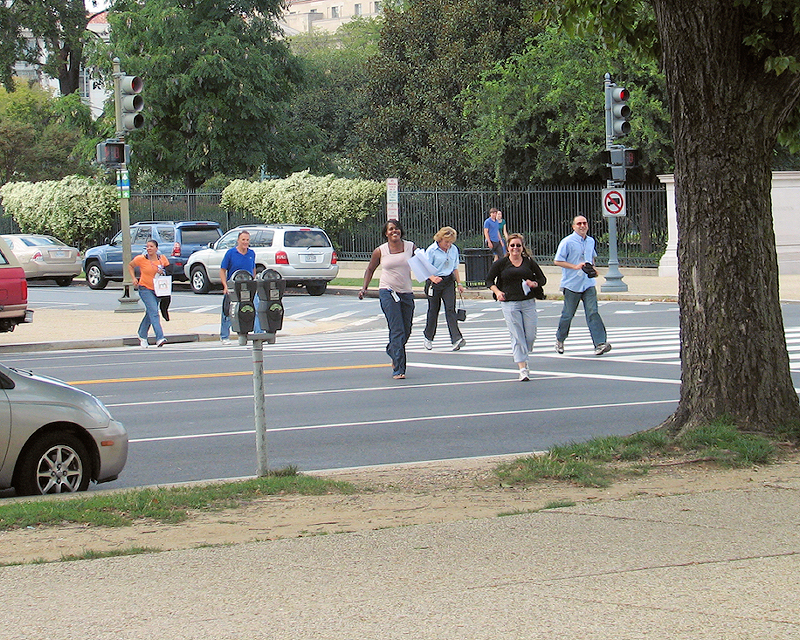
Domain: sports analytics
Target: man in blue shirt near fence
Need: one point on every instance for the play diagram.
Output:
(575, 251)
(491, 232)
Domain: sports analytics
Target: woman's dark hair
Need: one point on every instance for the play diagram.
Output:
(396, 224)
(155, 242)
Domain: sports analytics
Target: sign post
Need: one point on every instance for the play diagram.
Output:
(392, 208)
(617, 113)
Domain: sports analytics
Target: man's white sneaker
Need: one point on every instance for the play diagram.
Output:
(523, 375)
(161, 343)
(428, 344)
(559, 346)
(458, 344)
(143, 343)
(602, 348)
(225, 341)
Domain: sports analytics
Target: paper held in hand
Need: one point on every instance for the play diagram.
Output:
(420, 266)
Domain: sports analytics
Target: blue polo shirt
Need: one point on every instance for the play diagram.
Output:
(494, 229)
(445, 262)
(575, 250)
(233, 261)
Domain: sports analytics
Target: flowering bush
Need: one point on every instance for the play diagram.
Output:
(74, 209)
(324, 201)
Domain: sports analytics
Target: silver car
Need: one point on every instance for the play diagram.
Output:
(55, 438)
(302, 255)
(45, 257)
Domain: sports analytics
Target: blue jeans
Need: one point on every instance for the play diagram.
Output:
(225, 323)
(520, 317)
(150, 301)
(593, 319)
(399, 316)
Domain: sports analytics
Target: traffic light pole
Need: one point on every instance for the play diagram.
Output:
(613, 129)
(129, 301)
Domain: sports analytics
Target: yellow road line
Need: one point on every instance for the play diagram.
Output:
(193, 376)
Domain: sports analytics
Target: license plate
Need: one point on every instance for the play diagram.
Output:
(311, 258)
(59, 254)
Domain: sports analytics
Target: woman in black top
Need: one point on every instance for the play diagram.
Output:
(516, 281)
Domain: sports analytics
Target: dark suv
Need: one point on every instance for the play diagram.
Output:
(176, 240)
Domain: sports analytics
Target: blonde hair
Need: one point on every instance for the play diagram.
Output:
(445, 233)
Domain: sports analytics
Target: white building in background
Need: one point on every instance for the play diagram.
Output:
(303, 16)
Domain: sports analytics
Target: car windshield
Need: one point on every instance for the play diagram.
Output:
(42, 241)
(306, 238)
(203, 235)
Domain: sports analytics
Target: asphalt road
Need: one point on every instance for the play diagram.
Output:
(331, 402)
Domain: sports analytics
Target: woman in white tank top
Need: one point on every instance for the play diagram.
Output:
(394, 292)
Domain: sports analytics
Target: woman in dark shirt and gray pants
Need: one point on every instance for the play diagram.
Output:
(516, 280)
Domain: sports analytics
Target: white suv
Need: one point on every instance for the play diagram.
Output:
(302, 255)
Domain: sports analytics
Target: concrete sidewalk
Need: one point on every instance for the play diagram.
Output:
(717, 565)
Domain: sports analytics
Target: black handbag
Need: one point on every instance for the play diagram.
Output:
(461, 311)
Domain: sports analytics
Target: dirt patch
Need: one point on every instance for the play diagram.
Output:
(390, 496)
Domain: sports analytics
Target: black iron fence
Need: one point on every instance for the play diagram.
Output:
(543, 214)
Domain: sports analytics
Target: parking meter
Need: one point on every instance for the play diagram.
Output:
(271, 288)
(242, 291)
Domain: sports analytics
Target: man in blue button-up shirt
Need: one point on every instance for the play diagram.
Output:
(573, 252)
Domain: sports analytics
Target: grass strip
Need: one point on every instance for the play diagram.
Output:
(596, 462)
(166, 505)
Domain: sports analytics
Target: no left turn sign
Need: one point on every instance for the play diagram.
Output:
(613, 203)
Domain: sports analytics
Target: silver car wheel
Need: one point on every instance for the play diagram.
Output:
(54, 463)
(60, 470)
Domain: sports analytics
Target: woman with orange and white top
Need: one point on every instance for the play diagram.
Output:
(149, 264)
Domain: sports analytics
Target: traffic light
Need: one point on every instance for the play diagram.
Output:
(113, 153)
(620, 112)
(131, 102)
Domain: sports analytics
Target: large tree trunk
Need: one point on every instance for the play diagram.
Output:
(726, 113)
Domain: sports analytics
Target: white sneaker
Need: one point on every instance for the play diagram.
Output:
(161, 343)
(428, 344)
(602, 348)
(143, 343)
(458, 344)
(225, 341)
(559, 346)
(523, 375)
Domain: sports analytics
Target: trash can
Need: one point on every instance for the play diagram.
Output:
(477, 263)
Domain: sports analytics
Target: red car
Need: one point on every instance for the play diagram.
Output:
(13, 291)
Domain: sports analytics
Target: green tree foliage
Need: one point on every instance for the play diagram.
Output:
(428, 54)
(732, 72)
(538, 116)
(59, 32)
(42, 137)
(75, 209)
(216, 80)
(325, 201)
(324, 116)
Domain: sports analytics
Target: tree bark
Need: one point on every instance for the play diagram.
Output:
(726, 114)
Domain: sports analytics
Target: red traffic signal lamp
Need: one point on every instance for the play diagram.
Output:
(113, 153)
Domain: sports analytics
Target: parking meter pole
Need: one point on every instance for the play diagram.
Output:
(129, 301)
(258, 403)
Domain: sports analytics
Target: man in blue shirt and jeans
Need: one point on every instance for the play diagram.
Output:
(238, 258)
(573, 252)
